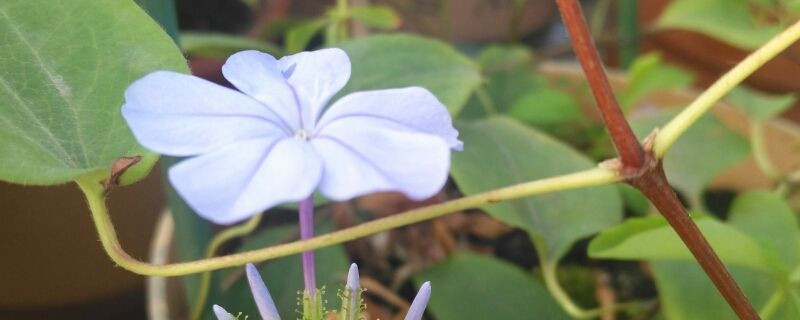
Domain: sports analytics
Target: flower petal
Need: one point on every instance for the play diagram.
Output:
(266, 307)
(353, 288)
(222, 314)
(247, 177)
(420, 302)
(316, 76)
(414, 107)
(363, 155)
(353, 282)
(180, 115)
(258, 75)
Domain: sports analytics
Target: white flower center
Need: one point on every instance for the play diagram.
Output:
(302, 134)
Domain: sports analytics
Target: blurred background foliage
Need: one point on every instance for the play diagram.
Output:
(505, 71)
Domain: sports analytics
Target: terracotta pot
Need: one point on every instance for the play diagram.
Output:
(709, 58)
(53, 265)
(474, 20)
(461, 21)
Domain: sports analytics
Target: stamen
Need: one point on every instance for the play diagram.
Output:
(302, 134)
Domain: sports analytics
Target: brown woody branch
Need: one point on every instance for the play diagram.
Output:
(642, 169)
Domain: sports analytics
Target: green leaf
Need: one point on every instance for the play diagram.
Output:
(497, 58)
(392, 61)
(163, 12)
(794, 296)
(634, 200)
(728, 20)
(547, 109)
(758, 105)
(705, 150)
(686, 292)
(793, 6)
(647, 75)
(769, 220)
(220, 45)
(509, 76)
(651, 238)
(471, 286)
(284, 277)
(500, 152)
(378, 17)
(298, 37)
(63, 71)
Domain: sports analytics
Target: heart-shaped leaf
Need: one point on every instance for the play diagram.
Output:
(651, 238)
(63, 71)
(499, 152)
(769, 220)
(378, 17)
(758, 105)
(509, 76)
(392, 61)
(648, 74)
(686, 292)
(470, 286)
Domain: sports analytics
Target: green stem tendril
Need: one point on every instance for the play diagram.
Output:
(550, 278)
(678, 125)
(93, 191)
(775, 301)
(486, 101)
(216, 242)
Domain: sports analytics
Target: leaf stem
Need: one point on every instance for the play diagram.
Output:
(93, 191)
(677, 126)
(628, 147)
(773, 303)
(216, 242)
(554, 287)
(550, 278)
(486, 101)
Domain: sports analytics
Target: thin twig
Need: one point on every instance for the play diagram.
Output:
(628, 147)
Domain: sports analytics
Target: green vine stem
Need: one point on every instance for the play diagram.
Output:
(94, 193)
(554, 287)
(550, 277)
(216, 242)
(337, 30)
(775, 301)
(678, 125)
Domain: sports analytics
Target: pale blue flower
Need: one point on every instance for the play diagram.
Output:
(271, 143)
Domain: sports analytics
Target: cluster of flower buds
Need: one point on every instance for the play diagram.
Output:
(352, 307)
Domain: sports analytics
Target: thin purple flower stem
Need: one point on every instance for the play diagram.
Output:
(306, 211)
